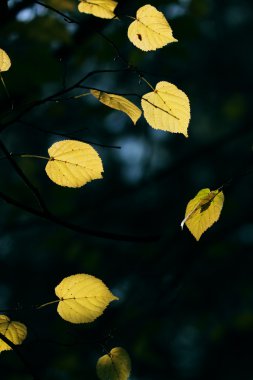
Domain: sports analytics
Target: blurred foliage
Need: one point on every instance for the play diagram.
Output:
(185, 309)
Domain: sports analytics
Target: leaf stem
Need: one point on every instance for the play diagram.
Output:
(81, 95)
(6, 91)
(29, 368)
(46, 304)
(34, 156)
(145, 80)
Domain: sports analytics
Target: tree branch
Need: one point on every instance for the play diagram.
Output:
(66, 18)
(77, 228)
(22, 175)
(54, 96)
(18, 352)
(47, 131)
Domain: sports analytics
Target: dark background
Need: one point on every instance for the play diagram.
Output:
(186, 307)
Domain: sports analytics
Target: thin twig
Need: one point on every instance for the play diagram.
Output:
(74, 21)
(77, 228)
(22, 175)
(56, 95)
(132, 94)
(47, 131)
(66, 18)
(18, 352)
(7, 92)
(111, 92)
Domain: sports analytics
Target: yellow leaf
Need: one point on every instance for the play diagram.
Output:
(150, 30)
(118, 103)
(73, 163)
(83, 298)
(98, 8)
(203, 211)
(116, 365)
(167, 108)
(5, 62)
(15, 331)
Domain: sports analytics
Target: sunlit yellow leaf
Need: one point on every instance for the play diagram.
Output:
(203, 211)
(118, 103)
(116, 365)
(5, 62)
(167, 108)
(150, 30)
(83, 298)
(15, 331)
(98, 8)
(73, 163)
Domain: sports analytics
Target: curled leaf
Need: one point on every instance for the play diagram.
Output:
(98, 8)
(73, 163)
(116, 365)
(167, 108)
(83, 298)
(203, 211)
(150, 30)
(5, 62)
(118, 103)
(14, 331)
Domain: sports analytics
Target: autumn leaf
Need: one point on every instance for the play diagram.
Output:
(203, 211)
(118, 103)
(83, 298)
(73, 163)
(14, 331)
(150, 30)
(98, 8)
(167, 108)
(116, 365)
(5, 62)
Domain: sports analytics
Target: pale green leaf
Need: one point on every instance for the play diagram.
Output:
(98, 8)
(119, 103)
(15, 331)
(203, 211)
(5, 62)
(150, 30)
(73, 163)
(83, 298)
(116, 365)
(167, 108)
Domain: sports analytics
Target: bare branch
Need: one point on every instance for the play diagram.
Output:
(47, 131)
(22, 175)
(77, 228)
(54, 96)
(66, 18)
(18, 352)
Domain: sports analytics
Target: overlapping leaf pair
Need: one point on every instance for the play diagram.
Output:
(166, 108)
(149, 31)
